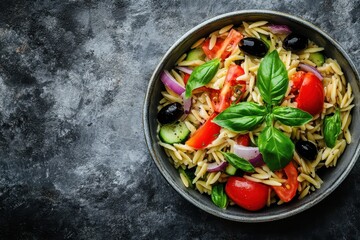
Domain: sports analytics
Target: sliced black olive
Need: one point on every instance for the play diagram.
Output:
(253, 46)
(295, 42)
(170, 113)
(306, 150)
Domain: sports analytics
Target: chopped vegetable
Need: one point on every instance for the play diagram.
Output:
(238, 162)
(332, 128)
(279, 29)
(174, 133)
(171, 83)
(317, 58)
(202, 75)
(218, 196)
(247, 194)
(308, 68)
(287, 191)
(185, 70)
(311, 95)
(205, 134)
(215, 167)
(195, 54)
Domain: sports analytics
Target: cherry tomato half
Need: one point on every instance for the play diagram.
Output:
(247, 194)
(311, 94)
(204, 135)
(288, 190)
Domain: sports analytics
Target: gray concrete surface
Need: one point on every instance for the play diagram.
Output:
(73, 159)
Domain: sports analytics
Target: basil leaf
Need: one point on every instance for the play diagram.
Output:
(291, 116)
(202, 75)
(276, 148)
(218, 196)
(238, 162)
(332, 128)
(272, 79)
(241, 117)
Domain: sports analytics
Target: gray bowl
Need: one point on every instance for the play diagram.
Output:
(332, 177)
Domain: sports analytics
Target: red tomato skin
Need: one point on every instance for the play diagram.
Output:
(186, 78)
(311, 95)
(211, 53)
(204, 135)
(243, 140)
(288, 190)
(227, 91)
(222, 48)
(297, 79)
(249, 195)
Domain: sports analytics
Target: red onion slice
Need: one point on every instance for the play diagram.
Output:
(252, 154)
(185, 70)
(171, 83)
(187, 103)
(214, 167)
(257, 161)
(308, 68)
(279, 29)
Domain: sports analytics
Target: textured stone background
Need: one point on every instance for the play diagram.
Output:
(73, 159)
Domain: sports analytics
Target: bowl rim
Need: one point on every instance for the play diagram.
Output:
(183, 192)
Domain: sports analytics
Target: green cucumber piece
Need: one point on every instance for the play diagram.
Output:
(174, 133)
(230, 170)
(317, 58)
(195, 54)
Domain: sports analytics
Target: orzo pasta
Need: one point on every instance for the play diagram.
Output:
(256, 105)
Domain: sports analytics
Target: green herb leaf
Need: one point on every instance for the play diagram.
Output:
(291, 116)
(332, 128)
(272, 79)
(202, 75)
(276, 148)
(218, 196)
(238, 162)
(241, 117)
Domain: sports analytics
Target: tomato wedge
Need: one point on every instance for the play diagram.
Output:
(232, 90)
(297, 79)
(311, 94)
(203, 136)
(223, 48)
(211, 53)
(186, 78)
(243, 140)
(288, 190)
(247, 194)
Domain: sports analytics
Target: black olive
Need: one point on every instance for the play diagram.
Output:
(295, 42)
(170, 113)
(253, 46)
(306, 149)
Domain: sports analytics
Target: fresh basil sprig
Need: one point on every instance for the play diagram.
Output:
(275, 147)
(291, 116)
(238, 162)
(218, 196)
(332, 128)
(202, 75)
(241, 117)
(272, 81)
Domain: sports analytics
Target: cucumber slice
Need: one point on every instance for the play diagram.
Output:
(196, 54)
(230, 170)
(317, 58)
(174, 133)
